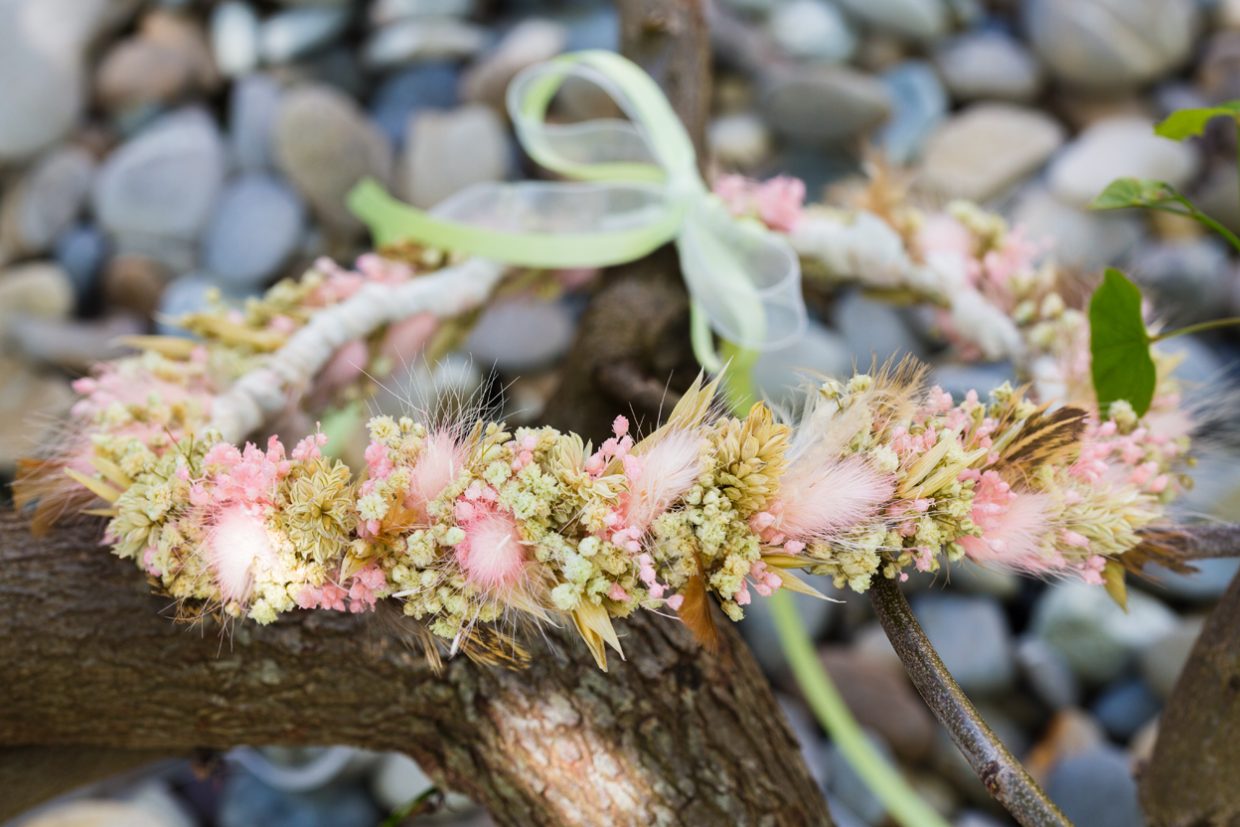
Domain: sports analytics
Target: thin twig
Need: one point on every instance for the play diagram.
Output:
(998, 769)
(1202, 541)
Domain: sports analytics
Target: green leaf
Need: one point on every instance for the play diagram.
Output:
(1119, 345)
(1136, 192)
(1185, 123)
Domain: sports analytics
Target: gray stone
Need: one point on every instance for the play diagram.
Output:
(1126, 707)
(45, 200)
(958, 379)
(73, 345)
(824, 104)
(1096, 788)
(1097, 637)
(807, 732)
(139, 73)
(844, 783)
(782, 375)
(1110, 44)
(874, 330)
(1200, 364)
(1188, 279)
(972, 578)
(245, 801)
(881, 699)
(530, 41)
(398, 780)
(407, 41)
(164, 181)
(1076, 238)
(1162, 659)
(989, 65)
(1118, 148)
(971, 636)
(739, 140)
(758, 627)
(188, 294)
(234, 38)
(41, 74)
(383, 12)
(521, 334)
(297, 32)
(1048, 673)
(962, 158)
(447, 151)
(37, 288)
(913, 19)
(325, 145)
(814, 30)
(593, 27)
(431, 85)
(253, 104)
(80, 251)
(920, 105)
(257, 224)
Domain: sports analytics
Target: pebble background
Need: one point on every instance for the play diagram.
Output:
(153, 151)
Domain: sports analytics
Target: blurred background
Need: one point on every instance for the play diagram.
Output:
(154, 151)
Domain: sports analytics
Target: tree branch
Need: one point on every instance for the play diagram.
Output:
(1201, 541)
(674, 736)
(998, 769)
(1191, 777)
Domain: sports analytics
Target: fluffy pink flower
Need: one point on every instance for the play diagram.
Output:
(437, 466)
(780, 202)
(819, 499)
(237, 540)
(492, 554)
(660, 475)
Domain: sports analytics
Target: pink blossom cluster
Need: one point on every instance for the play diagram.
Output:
(777, 202)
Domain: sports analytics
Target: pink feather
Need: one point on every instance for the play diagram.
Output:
(821, 499)
(491, 555)
(434, 471)
(666, 471)
(238, 539)
(1013, 537)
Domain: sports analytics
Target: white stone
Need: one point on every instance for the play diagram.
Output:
(1075, 237)
(989, 65)
(1111, 44)
(234, 38)
(914, 19)
(1118, 148)
(383, 12)
(813, 29)
(986, 149)
(416, 39)
(164, 181)
(740, 139)
(529, 42)
(447, 151)
(296, 32)
(521, 334)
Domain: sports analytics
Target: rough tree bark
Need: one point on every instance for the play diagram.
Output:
(1191, 780)
(674, 736)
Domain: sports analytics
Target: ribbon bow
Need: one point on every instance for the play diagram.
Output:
(631, 187)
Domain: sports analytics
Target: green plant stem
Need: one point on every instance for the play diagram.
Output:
(1200, 327)
(1004, 776)
(828, 706)
(1201, 218)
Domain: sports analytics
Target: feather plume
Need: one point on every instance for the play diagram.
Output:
(823, 498)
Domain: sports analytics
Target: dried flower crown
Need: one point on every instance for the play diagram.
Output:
(469, 526)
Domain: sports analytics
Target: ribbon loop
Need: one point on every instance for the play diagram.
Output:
(632, 187)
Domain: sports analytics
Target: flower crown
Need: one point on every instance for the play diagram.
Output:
(474, 529)
(471, 526)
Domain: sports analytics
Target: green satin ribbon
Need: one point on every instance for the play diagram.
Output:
(630, 186)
